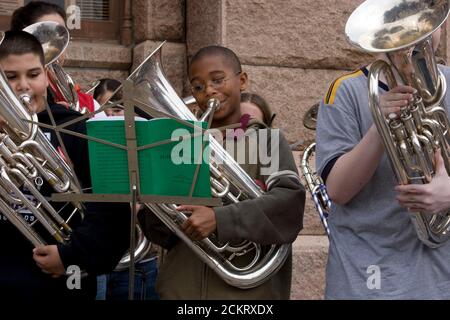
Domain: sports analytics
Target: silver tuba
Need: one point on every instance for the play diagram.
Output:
(26, 159)
(143, 246)
(228, 181)
(55, 39)
(314, 183)
(402, 30)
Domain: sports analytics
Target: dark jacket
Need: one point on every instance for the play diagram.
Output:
(96, 244)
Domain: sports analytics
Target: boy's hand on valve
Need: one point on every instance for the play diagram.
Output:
(394, 99)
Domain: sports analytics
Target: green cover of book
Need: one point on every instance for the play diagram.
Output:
(166, 169)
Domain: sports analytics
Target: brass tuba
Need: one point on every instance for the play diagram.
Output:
(26, 159)
(55, 39)
(402, 30)
(228, 181)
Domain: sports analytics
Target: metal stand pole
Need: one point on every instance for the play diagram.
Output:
(132, 243)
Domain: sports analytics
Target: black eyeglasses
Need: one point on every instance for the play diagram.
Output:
(198, 88)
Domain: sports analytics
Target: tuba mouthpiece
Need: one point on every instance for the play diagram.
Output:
(25, 98)
(213, 105)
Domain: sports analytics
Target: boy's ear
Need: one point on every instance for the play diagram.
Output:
(46, 77)
(243, 78)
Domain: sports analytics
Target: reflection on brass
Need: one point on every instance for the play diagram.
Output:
(407, 9)
(53, 37)
(378, 25)
(398, 36)
(50, 51)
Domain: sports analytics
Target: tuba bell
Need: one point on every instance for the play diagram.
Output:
(402, 30)
(310, 117)
(55, 39)
(26, 159)
(228, 181)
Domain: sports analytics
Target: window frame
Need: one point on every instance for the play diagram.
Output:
(90, 29)
(102, 30)
(5, 20)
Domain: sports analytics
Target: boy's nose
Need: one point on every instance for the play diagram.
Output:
(23, 85)
(210, 91)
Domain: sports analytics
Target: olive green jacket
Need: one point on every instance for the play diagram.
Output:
(274, 218)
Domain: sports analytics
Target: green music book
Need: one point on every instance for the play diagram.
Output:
(166, 169)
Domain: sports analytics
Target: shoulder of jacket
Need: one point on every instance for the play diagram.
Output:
(334, 86)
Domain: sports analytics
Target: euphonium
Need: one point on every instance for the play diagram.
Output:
(314, 182)
(402, 30)
(228, 181)
(55, 39)
(26, 159)
(316, 187)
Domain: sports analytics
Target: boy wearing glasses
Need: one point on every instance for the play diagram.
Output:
(274, 218)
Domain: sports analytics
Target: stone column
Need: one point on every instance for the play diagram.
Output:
(126, 29)
(162, 20)
(87, 62)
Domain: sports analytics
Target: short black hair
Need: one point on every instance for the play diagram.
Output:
(107, 84)
(19, 43)
(229, 56)
(30, 13)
